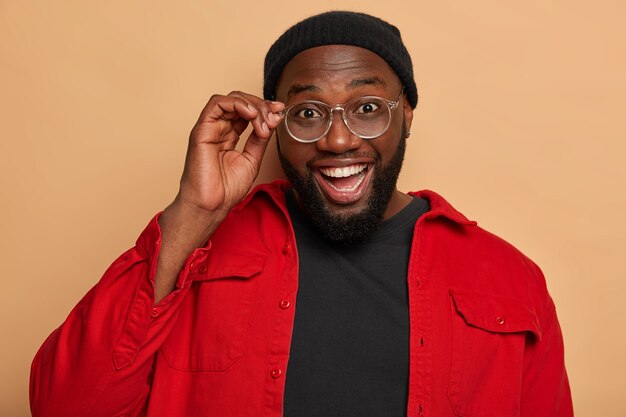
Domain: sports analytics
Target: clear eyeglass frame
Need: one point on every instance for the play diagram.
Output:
(390, 104)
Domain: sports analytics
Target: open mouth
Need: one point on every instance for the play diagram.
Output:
(344, 185)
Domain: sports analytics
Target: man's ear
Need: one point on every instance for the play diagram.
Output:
(408, 115)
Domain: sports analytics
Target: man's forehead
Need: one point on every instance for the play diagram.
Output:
(350, 85)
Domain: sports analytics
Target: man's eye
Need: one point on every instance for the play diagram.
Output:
(369, 107)
(308, 113)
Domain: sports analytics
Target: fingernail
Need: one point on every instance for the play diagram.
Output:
(265, 128)
(251, 107)
(272, 117)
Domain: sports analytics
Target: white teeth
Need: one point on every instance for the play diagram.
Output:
(348, 189)
(344, 171)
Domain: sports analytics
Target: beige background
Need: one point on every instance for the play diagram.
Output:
(520, 125)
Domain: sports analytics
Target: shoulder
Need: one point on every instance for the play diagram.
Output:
(476, 258)
(260, 214)
(272, 194)
(453, 229)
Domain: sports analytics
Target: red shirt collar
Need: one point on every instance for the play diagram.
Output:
(438, 205)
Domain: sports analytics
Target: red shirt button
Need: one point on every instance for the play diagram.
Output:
(500, 320)
(286, 248)
(203, 269)
(285, 304)
(276, 373)
(155, 312)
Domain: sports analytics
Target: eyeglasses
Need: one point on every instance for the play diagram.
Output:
(366, 117)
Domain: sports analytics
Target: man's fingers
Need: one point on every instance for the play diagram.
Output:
(240, 126)
(267, 119)
(237, 106)
(254, 149)
(276, 106)
(225, 107)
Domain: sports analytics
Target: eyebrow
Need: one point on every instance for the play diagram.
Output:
(366, 81)
(299, 88)
(354, 84)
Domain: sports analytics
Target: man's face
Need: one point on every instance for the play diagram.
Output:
(346, 184)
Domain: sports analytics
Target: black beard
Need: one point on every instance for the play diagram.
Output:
(348, 228)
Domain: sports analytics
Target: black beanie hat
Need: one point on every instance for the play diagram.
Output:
(341, 28)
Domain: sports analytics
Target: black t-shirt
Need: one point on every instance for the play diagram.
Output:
(350, 345)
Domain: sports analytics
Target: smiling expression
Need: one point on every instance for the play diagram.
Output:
(341, 165)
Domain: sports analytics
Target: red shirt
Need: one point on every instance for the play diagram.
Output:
(484, 336)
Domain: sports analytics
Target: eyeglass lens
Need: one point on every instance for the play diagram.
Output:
(366, 117)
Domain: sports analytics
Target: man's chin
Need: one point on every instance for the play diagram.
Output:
(343, 211)
(346, 226)
(337, 222)
(354, 222)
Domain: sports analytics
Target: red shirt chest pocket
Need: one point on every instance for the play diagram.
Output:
(210, 332)
(489, 336)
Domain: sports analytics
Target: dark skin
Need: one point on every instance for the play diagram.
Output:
(336, 74)
(217, 176)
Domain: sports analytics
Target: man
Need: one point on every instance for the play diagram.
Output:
(332, 295)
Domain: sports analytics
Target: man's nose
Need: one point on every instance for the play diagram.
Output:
(339, 138)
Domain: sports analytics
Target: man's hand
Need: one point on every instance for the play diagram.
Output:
(216, 177)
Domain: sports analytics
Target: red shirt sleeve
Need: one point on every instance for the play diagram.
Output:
(545, 386)
(99, 361)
